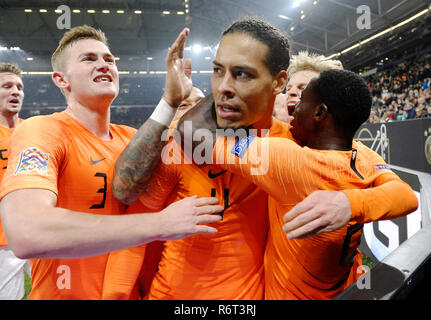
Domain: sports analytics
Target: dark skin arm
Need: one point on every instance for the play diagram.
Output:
(201, 116)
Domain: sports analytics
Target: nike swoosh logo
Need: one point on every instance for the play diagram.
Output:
(215, 175)
(96, 161)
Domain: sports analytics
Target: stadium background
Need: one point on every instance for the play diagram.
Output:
(140, 32)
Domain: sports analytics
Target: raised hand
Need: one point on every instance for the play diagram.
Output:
(178, 84)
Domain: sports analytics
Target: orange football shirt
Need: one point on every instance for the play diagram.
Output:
(304, 268)
(226, 265)
(57, 153)
(5, 134)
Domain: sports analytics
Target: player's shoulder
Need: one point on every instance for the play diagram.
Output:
(44, 122)
(362, 149)
(369, 157)
(5, 132)
(279, 129)
(123, 130)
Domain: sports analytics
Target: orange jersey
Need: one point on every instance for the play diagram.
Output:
(57, 153)
(228, 264)
(5, 134)
(310, 268)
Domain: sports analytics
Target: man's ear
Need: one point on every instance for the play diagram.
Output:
(279, 83)
(60, 81)
(320, 112)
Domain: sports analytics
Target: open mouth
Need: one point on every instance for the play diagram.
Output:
(14, 101)
(103, 78)
(227, 111)
(228, 108)
(291, 106)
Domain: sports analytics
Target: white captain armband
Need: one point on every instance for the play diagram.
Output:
(163, 113)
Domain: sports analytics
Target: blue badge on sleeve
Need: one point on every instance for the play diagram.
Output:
(241, 146)
(381, 166)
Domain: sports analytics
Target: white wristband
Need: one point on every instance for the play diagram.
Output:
(163, 113)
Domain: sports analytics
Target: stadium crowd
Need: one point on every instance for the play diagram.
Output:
(401, 92)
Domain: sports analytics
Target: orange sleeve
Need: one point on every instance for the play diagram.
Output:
(388, 198)
(121, 275)
(36, 149)
(263, 161)
(129, 272)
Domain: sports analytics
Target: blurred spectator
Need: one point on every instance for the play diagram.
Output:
(410, 110)
(403, 91)
(373, 117)
(401, 115)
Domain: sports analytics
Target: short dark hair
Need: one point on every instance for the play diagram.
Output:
(347, 97)
(278, 56)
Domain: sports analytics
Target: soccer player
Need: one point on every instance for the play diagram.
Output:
(302, 68)
(11, 99)
(228, 265)
(249, 71)
(330, 110)
(195, 96)
(57, 207)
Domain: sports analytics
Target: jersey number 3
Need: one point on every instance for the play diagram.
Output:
(101, 190)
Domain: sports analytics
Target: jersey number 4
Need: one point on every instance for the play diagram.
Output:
(225, 197)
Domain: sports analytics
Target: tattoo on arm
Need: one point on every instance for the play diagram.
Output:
(134, 167)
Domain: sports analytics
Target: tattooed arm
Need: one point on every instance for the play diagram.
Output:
(136, 164)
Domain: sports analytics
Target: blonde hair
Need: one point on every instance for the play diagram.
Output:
(73, 35)
(11, 68)
(305, 61)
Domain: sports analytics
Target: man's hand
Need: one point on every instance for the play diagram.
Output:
(184, 218)
(321, 212)
(178, 85)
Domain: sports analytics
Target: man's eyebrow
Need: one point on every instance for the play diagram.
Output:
(239, 67)
(89, 53)
(245, 67)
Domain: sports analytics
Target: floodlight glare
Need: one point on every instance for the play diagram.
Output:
(197, 48)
